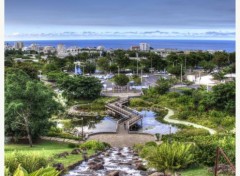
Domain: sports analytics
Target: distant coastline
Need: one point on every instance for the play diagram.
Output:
(227, 45)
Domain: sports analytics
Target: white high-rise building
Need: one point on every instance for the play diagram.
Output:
(18, 45)
(61, 48)
(144, 46)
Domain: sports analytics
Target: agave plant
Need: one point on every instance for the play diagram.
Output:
(48, 171)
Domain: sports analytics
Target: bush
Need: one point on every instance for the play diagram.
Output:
(30, 161)
(170, 156)
(151, 143)
(71, 145)
(93, 145)
(48, 171)
(138, 102)
(121, 80)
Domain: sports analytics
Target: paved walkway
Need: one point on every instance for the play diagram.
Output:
(171, 113)
(123, 140)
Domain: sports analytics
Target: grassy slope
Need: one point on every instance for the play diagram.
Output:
(196, 172)
(48, 149)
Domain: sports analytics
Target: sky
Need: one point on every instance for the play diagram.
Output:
(119, 19)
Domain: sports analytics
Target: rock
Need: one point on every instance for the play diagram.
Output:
(118, 153)
(59, 166)
(91, 163)
(135, 158)
(125, 163)
(140, 166)
(76, 151)
(96, 166)
(157, 174)
(135, 154)
(113, 173)
(64, 154)
(106, 154)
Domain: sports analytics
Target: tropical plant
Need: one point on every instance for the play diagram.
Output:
(170, 156)
(48, 171)
(37, 160)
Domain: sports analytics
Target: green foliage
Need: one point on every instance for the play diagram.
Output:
(163, 86)
(138, 102)
(15, 158)
(136, 79)
(48, 171)
(81, 87)
(71, 145)
(151, 143)
(121, 80)
(56, 76)
(50, 67)
(175, 70)
(28, 68)
(170, 156)
(157, 136)
(103, 64)
(58, 132)
(224, 97)
(93, 145)
(28, 105)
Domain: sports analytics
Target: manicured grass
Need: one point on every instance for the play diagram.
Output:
(202, 171)
(48, 149)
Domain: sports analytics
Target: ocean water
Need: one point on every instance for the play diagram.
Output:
(227, 45)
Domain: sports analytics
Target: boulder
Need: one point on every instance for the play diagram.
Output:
(140, 166)
(63, 154)
(96, 166)
(113, 173)
(76, 151)
(59, 166)
(135, 158)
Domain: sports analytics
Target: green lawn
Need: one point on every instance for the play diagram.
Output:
(202, 171)
(48, 149)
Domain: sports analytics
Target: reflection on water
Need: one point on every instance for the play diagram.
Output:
(107, 124)
(152, 126)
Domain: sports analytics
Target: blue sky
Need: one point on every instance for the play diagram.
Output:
(115, 19)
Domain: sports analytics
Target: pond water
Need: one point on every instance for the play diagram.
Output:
(108, 124)
(152, 126)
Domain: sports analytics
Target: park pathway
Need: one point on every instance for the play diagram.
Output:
(171, 113)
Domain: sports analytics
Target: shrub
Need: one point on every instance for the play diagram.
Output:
(121, 80)
(138, 102)
(107, 145)
(151, 143)
(15, 158)
(93, 145)
(170, 156)
(48, 171)
(71, 145)
(157, 136)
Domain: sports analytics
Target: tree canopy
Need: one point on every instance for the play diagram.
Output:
(80, 87)
(121, 80)
(28, 105)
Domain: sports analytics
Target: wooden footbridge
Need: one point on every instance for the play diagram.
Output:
(129, 116)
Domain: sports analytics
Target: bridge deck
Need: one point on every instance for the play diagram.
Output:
(129, 114)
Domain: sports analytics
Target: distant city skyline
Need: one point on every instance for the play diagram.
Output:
(125, 19)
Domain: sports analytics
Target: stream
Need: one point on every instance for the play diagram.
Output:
(119, 161)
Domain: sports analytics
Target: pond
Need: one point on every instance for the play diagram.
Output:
(108, 124)
(152, 126)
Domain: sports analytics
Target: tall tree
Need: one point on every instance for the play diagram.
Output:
(28, 105)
